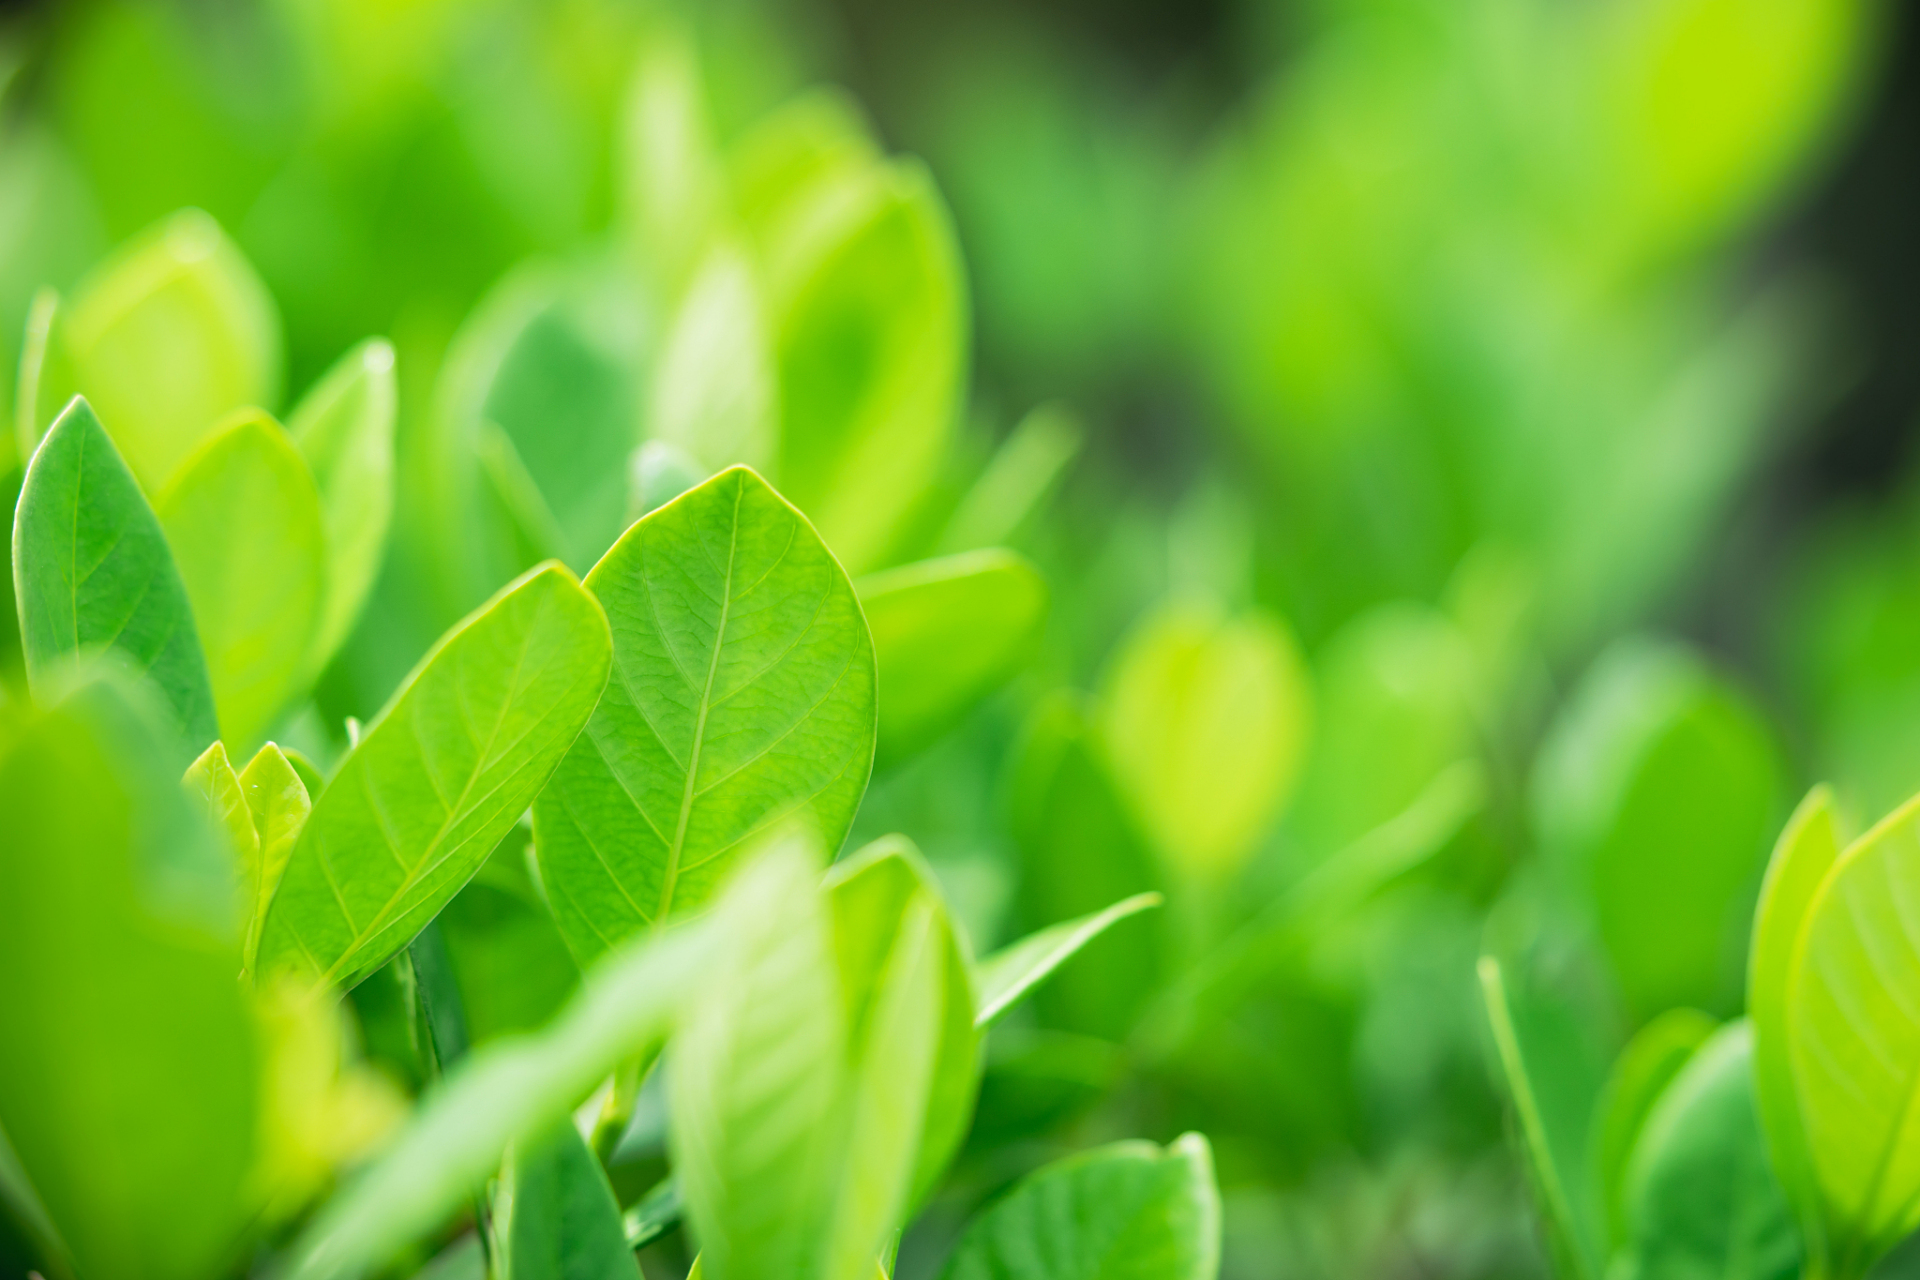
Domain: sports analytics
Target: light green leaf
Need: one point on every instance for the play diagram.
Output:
(91, 569)
(1017, 482)
(1809, 845)
(1557, 1196)
(1853, 1038)
(278, 804)
(515, 1088)
(1206, 720)
(1004, 978)
(135, 1122)
(46, 380)
(438, 778)
(713, 394)
(554, 1215)
(212, 781)
(946, 633)
(671, 177)
(1130, 1211)
(742, 697)
(243, 520)
(1702, 1201)
(759, 1071)
(873, 892)
(344, 429)
(1640, 1075)
(168, 337)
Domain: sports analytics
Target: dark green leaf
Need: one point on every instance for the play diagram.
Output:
(554, 1216)
(1641, 1074)
(1004, 978)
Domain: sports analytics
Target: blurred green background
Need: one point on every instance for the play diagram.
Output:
(1469, 441)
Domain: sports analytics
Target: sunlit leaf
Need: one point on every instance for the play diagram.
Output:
(742, 696)
(713, 395)
(344, 429)
(946, 633)
(93, 571)
(278, 804)
(243, 520)
(438, 778)
(1114, 1213)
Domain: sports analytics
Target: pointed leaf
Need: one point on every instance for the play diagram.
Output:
(91, 569)
(344, 429)
(555, 1216)
(212, 781)
(1008, 975)
(1853, 1037)
(278, 804)
(438, 778)
(946, 633)
(243, 519)
(1130, 1211)
(1701, 1196)
(742, 697)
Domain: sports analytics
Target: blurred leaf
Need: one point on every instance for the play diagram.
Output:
(743, 697)
(758, 1070)
(874, 893)
(1205, 719)
(554, 1214)
(243, 519)
(791, 149)
(671, 175)
(513, 968)
(1640, 1076)
(1658, 773)
(438, 778)
(1702, 1199)
(47, 380)
(169, 337)
(1809, 846)
(1852, 1035)
(134, 1115)
(1018, 480)
(1035, 1080)
(344, 428)
(212, 781)
(657, 1213)
(1005, 977)
(1555, 1172)
(1114, 1213)
(278, 805)
(713, 393)
(93, 570)
(946, 633)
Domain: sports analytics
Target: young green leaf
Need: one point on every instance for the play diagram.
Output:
(743, 696)
(713, 394)
(91, 569)
(278, 804)
(1551, 1174)
(1205, 720)
(344, 429)
(1809, 845)
(1853, 1038)
(46, 379)
(946, 633)
(1701, 1196)
(1130, 1211)
(1641, 1074)
(168, 337)
(554, 1216)
(135, 1122)
(1004, 978)
(212, 781)
(243, 520)
(438, 778)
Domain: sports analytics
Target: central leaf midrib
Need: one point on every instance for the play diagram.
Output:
(688, 794)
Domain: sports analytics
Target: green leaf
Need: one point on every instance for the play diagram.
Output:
(672, 180)
(1853, 1035)
(874, 894)
(168, 337)
(1205, 719)
(133, 1117)
(1660, 773)
(1702, 1200)
(212, 781)
(46, 380)
(1809, 846)
(243, 520)
(713, 396)
(1004, 978)
(438, 778)
(1023, 473)
(278, 803)
(1641, 1074)
(91, 570)
(742, 697)
(554, 1215)
(946, 633)
(1551, 1172)
(344, 429)
(515, 1088)
(1121, 1212)
(514, 970)
(759, 1069)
